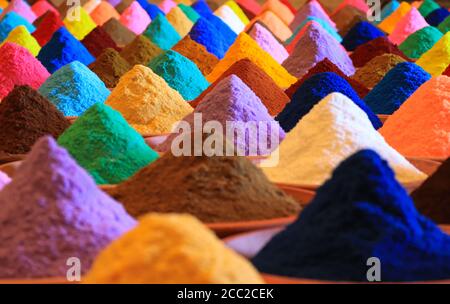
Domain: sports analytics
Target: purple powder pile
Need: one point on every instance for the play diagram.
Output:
(310, 9)
(268, 42)
(315, 45)
(51, 211)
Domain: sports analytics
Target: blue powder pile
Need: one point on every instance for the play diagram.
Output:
(202, 8)
(162, 33)
(12, 20)
(314, 89)
(361, 212)
(180, 73)
(360, 33)
(395, 87)
(205, 33)
(437, 16)
(226, 32)
(74, 88)
(62, 49)
(387, 10)
(152, 9)
(322, 22)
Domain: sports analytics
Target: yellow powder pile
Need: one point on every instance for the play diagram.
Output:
(388, 24)
(170, 249)
(147, 102)
(80, 27)
(238, 11)
(274, 24)
(179, 21)
(436, 59)
(280, 10)
(22, 37)
(103, 12)
(246, 47)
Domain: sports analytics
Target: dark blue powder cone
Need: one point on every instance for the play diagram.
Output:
(313, 90)
(221, 27)
(202, 8)
(205, 33)
(395, 87)
(437, 16)
(151, 9)
(62, 49)
(361, 212)
(360, 33)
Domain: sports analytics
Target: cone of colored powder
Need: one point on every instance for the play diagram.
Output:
(427, 7)
(152, 9)
(202, 8)
(223, 28)
(444, 26)
(251, 8)
(123, 5)
(227, 15)
(167, 5)
(310, 9)
(246, 47)
(109, 67)
(327, 66)
(387, 10)
(118, 32)
(135, 18)
(22, 8)
(147, 102)
(81, 26)
(273, 98)
(180, 73)
(238, 11)
(103, 12)
(41, 7)
(436, 59)
(47, 27)
(98, 40)
(3, 4)
(274, 24)
(103, 143)
(10, 21)
(162, 33)
(19, 67)
(268, 42)
(314, 46)
(447, 71)
(376, 47)
(300, 30)
(281, 10)
(361, 33)
(410, 23)
(140, 51)
(420, 127)
(360, 5)
(344, 18)
(189, 12)
(4, 180)
(204, 33)
(22, 37)
(197, 53)
(437, 16)
(420, 41)
(179, 21)
(90, 5)
(388, 24)
(66, 213)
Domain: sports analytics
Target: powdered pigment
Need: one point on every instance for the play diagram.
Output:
(135, 18)
(81, 25)
(140, 51)
(204, 33)
(4, 180)
(268, 42)
(436, 59)
(118, 32)
(109, 67)
(359, 34)
(420, 41)
(98, 40)
(377, 47)
(162, 33)
(179, 21)
(410, 23)
(22, 37)
(47, 27)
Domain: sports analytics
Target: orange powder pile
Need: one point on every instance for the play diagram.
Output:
(274, 24)
(421, 126)
(280, 10)
(103, 12)
(246, 47)
(388, 24)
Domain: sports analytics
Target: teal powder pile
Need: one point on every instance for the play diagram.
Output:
(103, 143)
(162, 33)
(180, 73)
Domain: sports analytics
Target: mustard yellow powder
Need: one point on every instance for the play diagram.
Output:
(246, 47)
(79, 27)
(238, 11)
(179, 21)
(170, 249)
(388, 24)
(147, 102)
(22, 37)
(436, 59)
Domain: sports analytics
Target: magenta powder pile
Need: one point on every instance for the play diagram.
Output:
(51, 211)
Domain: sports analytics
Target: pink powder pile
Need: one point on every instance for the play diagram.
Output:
(19, 67)
(22, 8)
(411, 22)
(167, 5)
(4, 180)
(310, 9)
(41, 7)
(358, 4)
(268, 42)
(135, 18)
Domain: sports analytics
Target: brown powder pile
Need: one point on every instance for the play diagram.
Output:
(109, 67)
(98, 40)
(214, 189)
(140, 51)
(123, 5)
(273, 98)
(118, 32)
(344, 17)
(197, 53)
(372, 73)
(348, 26)
(25, 116)
(376, 47)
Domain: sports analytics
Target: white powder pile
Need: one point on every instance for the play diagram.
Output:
(333, 130)
(226, 14)
(4, 179)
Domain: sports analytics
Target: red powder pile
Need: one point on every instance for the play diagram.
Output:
(98, 40)
(376, 47)
(327, 66)
(46, 25)
(447, 71)
(251, 8)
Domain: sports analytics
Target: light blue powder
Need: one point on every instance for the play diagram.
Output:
(322, 22)
(12, 20)
(162, 33)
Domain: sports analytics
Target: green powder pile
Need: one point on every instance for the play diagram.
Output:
(189, 12)
(444, 26)
(427, 7)
(103, 143)
(162, 33)
(420, 41)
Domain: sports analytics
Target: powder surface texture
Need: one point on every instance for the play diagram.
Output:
(40, 7)
(25, 116)
(360, 212)
(197, 53)
(140, 51)
(359, 34)
(118, 32)
(366, 52)
(388, 24)
(80, 27)
(62, 49)
(147, 102)
(19, 67)
(372, 72)
(22, 8)
(410, 23)
(180, 73)
(238, 11)
(227, 15)
(22, 37)
(103, 12)
(251, 8)
(227, 184)
(334, 129)
(268, 42)
(344, 16)
(10, 21)
(273, 98)
(167, 5)
(395, 87)
(152, 245)
(420, 127)
(275, 25)
(4, 180)
(246, 47)
(437, 16)
(74, 88)
(49, 25)
(436, 59)
(281, 10)
(298, 32)
(161, 33)
(222, 28)
(98, 40)
(204, 33)
(202, 8)
(135, 18)
(90, 5)
(179, 21)
(444, 26)
(420, 41)
(311, 9)
(427, 7)
(189, 12)
(109, 67)
(53, 205)
(103, 143)
(314, 46)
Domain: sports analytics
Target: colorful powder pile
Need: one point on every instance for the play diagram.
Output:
(447, 71)
(189, 12)
(97, 41)
(427, 7)
(25, 116)
(420, 41)
(388, 24)
(226, 14)
(197, 53)
(437, 16)
(298, 32)
(49, 24)
(345, 16)
(388, 9)
(66, 214)
(135, 18)
(4, 180)
(238, 11)
(19, 67)
(251, 8)
(152, 10)
(275, 25)
(158, 106)
(281, 10)
(202, 8)
(310, 9)
(89, 5)
(103, 12)
(205, 34)
(359, 34)
(158, 238)
(221, 27)
(361, 212)
(410, 23)
(81, 25)
(180, 73)
(162, 33)
(22, 37)
(22, 8)
(40, 7)
(398, 84)
(366, 52)
(436, 59)
(420, 127)
(167, 5)
(179, 21)
(109, 67)
(140, 51)
(268, 42)
(444, 27)
(118, 32)
(312, 91)
(10, 21)
(104, 144)
(228, 184)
